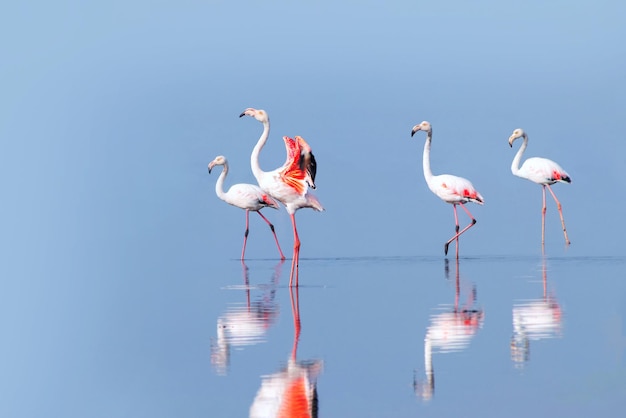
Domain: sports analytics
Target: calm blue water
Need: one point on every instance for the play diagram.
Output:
(388, 336)
(493, 336)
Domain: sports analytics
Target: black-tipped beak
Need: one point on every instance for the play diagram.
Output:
(414, 130)
(210, 167)
(242, 114)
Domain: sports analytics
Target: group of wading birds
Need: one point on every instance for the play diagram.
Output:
(290, 184)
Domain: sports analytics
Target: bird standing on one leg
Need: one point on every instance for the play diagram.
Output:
(245, 196)
(451, 189)
(541, 171)
(290, 183)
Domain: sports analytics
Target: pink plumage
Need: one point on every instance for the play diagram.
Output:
(290, 183)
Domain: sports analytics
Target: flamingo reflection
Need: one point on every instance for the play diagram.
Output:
(534, 319)
(241, 325)
(449, 331)
(291, 392)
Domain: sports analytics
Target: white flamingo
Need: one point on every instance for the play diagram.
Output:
(290, 183)
(534, 320)
(242, 326)
(541, 171)
(245, 196)
(451, 189)
(449, 331)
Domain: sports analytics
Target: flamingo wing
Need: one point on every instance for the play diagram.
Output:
(453, 189)
(299, 170)
(543, 171)
(249, 196)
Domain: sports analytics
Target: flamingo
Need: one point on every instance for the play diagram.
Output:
(451, 189)
(533, 320)
(245, 325)
(245, 196)
(291, 392)
(290, 183)
(449, 331)
(541, 171)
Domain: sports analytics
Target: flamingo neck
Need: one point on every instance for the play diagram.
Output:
(518, 156)
(219, 185)
(428, 174)
(254, 157)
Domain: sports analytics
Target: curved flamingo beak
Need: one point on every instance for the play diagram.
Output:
(249, 112)
(415, 129)
(511, 140)
(211, 165)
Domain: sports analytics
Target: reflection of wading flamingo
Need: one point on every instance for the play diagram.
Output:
(448, 332)
(534, 320)
(242, 326)
(450, 189)
(290, 183)
(245, 196)
(541, 171)
(291, 392)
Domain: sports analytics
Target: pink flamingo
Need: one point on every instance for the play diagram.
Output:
(245, 196)
(451, 189)
(288, 184)
(541, 171)
(291, 392)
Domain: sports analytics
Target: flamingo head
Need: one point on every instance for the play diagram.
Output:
(219, 160)
(424, 126)
(258, 114)
(518, 133)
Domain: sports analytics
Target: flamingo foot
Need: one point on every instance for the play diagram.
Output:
(445, 248)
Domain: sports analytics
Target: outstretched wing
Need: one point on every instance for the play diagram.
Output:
(307, 161)
(300, 168)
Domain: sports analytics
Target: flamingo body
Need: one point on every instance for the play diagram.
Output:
(454, 189)
(249, 197)
(290, 183)
(245, 196)
(541, 171)
(451, 189)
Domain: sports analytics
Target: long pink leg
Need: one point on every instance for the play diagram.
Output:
(296, 252)
(282, 256)
(543, 217)
(558, 205)
(245, 235)
(458, 234)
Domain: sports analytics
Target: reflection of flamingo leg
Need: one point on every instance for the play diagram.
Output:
(295, 311)
(246, 281)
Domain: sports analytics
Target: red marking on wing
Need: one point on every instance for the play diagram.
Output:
(293, 175)
(556, 175)
(444, 185)
(295, 403)
(469, 193)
